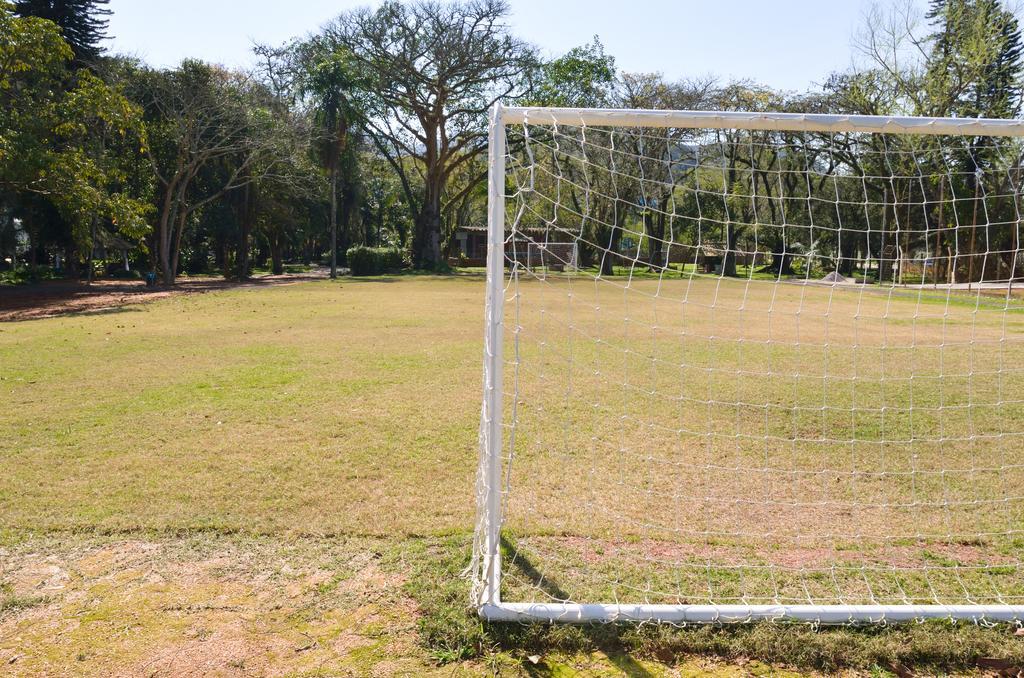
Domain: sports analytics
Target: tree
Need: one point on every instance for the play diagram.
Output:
(434, 70)
(66, 139)
(285, 176)
(328, 80)
(661, 151)
(582, 77)
(206, 140)
(83, 23)
(99, 134)
(33, 60)
(385, 218)
(32, 69)
(968, 66)
(974, 66)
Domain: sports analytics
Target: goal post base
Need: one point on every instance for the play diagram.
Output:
(572, 613)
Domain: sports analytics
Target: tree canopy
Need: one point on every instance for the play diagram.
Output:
(372, 132)
(433, 71)
(83, 23)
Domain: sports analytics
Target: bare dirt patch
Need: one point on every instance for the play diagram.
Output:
(206, 606)
(62, 297)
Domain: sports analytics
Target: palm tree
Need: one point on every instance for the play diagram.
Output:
(329, 82)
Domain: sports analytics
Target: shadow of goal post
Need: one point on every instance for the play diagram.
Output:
(487, 559)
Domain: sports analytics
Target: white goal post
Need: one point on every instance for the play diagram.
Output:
(776, 372)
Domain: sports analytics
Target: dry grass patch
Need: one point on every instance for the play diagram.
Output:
(206, 605)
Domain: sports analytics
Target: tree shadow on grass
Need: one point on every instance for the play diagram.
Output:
(42, 313)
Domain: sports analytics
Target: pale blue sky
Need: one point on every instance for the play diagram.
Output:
(783, 43)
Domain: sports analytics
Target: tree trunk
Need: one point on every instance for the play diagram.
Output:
(938, 233)
(426, 242)
(903, 249)
(92, 249)
(174, 194)
(276, 255)
(334, 223)
(972, 250)
(782, 261)
(427, 239)
(171, 273)
(246, 217)
(164, 239)
(242, 261)
(847, 252)
(656, 259)
(885, 267)
(607, 259)
(348, 199)
(607, 265)
(729, 260)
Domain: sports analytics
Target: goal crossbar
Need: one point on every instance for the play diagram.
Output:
(491, 480)
(796, 122)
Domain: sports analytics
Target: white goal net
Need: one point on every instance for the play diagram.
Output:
(773, 369)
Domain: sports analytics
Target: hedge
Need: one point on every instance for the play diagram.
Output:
(375, 260)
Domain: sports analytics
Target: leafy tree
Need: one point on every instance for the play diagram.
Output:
(385, 218)
(207, 139)
(582, 77)
(285, 175)
(434, 70)
(66, 140)
(83, 23)
(974, 70)
(661, 151)
(98, 136)
(974, 66)
(968, 65)
(32, 69)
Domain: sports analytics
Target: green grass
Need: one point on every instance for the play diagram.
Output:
(306, 409)
(930, 647)
(296, 465)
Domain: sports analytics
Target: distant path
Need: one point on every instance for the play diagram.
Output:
(60, 297)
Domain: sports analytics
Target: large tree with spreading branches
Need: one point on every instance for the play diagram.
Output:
(434, 69)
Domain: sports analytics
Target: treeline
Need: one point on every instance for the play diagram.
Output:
(372, 132)
(906, 208)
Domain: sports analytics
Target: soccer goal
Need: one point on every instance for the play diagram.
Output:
(782, 376)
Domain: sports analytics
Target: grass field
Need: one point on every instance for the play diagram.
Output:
(281, 481)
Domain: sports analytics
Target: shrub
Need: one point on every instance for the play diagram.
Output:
(24, 275)
(375, 260)
(118, 273)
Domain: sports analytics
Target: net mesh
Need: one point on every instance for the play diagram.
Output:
(761, 367)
